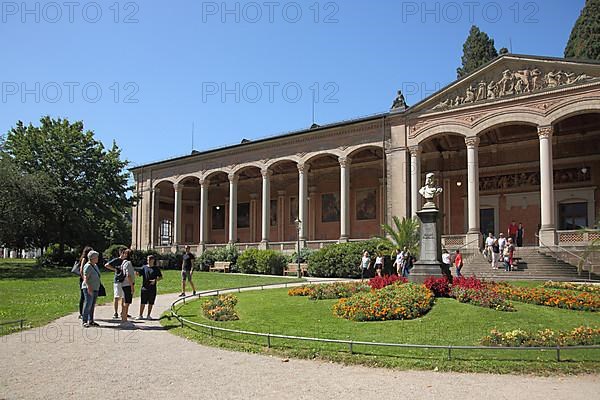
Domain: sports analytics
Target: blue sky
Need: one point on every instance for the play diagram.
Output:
(142, 73)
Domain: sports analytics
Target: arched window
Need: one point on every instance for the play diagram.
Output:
(166, 232)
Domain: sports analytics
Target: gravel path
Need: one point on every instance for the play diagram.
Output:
(149, 362)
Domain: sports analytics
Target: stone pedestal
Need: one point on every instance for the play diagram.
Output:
(429, 263)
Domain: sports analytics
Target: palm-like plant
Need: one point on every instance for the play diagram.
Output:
(402, 233)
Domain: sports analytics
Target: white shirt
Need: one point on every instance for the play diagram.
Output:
(379, 260)
(502, 243)
(489, 241)
(446, 258)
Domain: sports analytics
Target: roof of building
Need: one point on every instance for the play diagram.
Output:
(315, 128)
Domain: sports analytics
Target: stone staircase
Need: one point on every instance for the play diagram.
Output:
(532, 266)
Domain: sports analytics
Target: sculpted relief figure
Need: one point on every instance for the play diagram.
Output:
(516, 82)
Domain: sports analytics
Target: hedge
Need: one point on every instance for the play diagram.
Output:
(343, 260)
(267, 262)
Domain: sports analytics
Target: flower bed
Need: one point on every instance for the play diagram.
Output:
(337, 290)
(220, 308)
(547, 297)
(439, 286)
(581, 287)
(394, 302)
(482, 297)
(581, 336)
(379, 282)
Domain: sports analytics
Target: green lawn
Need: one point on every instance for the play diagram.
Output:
(42, 295)
(448, 323)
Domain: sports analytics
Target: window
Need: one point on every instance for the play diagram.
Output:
(218, 217)
(166, 232)
(572, 216)
(243, 215)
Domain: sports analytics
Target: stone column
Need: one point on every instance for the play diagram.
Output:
(177, 214)
(253, 216)
(303, 200)
(312, 212)
(281, 215)
(415, 178)
(233, 180)
(548, 230)
(203, 213)
(266, 207)
(344, 198)
(473, 233)
(154, 239)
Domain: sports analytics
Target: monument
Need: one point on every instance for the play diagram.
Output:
(429, 262)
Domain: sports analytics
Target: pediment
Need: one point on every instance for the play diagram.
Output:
(511, 76)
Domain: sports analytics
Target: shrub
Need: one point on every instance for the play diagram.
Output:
(482, 298)
(379, 282)
(343, 260)
(139, 257)
(113, 251)
(305, 254)
(208, 258)
(468, 283)
(398, 301)
(439, 286)
(53, 259)
(220, 308)
(270, 262)
(246, 262)
(582, 336)
(337, 290)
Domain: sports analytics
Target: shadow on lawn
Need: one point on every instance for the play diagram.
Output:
(30, 270)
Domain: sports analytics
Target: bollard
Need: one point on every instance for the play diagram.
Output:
(449, 353)
(558, 353)
(21, 324)
(351, 349)
(269, 341)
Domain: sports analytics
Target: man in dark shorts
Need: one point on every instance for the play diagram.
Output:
(187, 268)
(150, 275)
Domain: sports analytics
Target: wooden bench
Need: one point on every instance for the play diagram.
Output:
(292, 269)
(220, 266)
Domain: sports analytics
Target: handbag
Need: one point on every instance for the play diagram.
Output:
(102, 291)
(76, 269)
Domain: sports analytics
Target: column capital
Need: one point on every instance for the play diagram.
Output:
(178, 187)
(204, 183)
(545, 132)
(233, 177)
(345, 161)
(266, 173)
(472, 142)
(156, 190)
(303, 168)
(415, 151)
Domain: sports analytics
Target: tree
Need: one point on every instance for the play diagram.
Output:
(478, 50)
(89, 183)
(584, 42)
(402, 233)
(23, 201)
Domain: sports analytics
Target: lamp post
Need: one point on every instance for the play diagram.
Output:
(298, 223)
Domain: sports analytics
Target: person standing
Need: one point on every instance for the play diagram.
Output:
(489, 242)
(187, 269)
(379, 264)
(91, 285)
(83, 259)
(406, 257)
(495, 254)
(501, 242)
(458, 263)
(447, 263)
(365, 263)
(512, 230)
(520, 235)
(151, 274)
(398, 262)
(116, 265)
(128, 284)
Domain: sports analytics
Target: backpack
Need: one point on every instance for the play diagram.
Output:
(119, 274)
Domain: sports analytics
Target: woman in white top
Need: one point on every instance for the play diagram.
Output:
(365, 263)
(379, 264)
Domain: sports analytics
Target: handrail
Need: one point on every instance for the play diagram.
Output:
(350, 343)
(582, 261)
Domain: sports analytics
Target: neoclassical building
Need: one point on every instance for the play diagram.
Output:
(519, 139)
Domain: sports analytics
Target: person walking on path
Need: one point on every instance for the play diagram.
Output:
(365, 263)
(520, 235)
(83, 259)
(489, 242)
(128, 284)
(91, 283)
(116, 265)
(379, 264)
(150, 276)
(398, 262)
(187, 269)
(447, 264)
(458, 263)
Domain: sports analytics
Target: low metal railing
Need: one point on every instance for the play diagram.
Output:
(346, 342)
(20, 322)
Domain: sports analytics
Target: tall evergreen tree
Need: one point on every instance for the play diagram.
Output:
(478, 50)
(584, 42)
